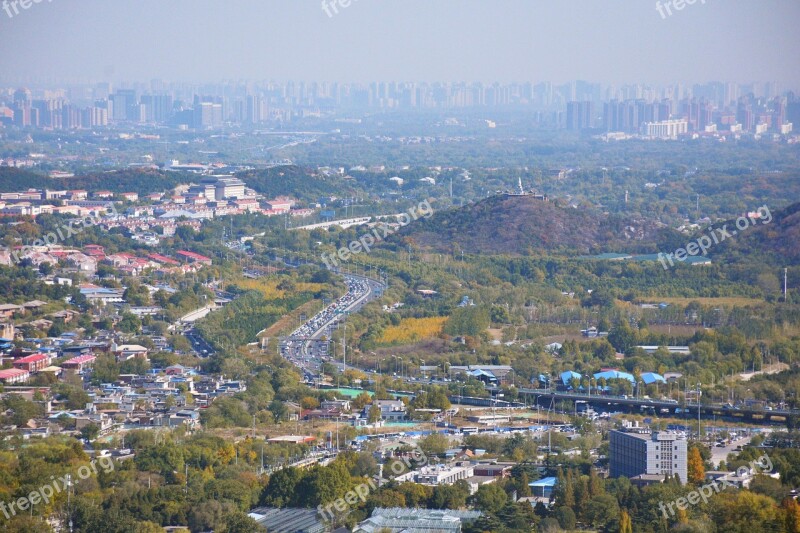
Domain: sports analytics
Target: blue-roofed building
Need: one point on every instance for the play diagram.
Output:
(651, 377)
(567, 376)
(543, 488)
(483, 375)
(615, 374)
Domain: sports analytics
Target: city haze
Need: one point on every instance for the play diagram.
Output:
(414, 40)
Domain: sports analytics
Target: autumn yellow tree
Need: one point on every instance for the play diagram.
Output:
(696, 470)
(625, 524)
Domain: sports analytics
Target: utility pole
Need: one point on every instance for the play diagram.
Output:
(344, 346)
(698, 411)
(69, 506)
(785, 293)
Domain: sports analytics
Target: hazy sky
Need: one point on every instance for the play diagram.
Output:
(611, 41)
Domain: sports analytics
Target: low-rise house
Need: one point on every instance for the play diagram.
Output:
(123, 352)
(342, 405)
(101, 420)
(9, 310)
(390, 409)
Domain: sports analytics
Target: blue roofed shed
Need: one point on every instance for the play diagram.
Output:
(544, 487)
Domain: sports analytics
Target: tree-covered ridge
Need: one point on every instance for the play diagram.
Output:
(296, 182)
(142, 181)
(524, 225)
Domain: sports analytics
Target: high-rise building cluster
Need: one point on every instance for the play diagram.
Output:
(575, 106)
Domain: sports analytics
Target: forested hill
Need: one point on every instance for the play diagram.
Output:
(15, 179)
(141, 181)
(521, 225)
(294, 181)
(776, 242)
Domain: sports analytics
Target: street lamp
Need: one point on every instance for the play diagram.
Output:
(698, 411)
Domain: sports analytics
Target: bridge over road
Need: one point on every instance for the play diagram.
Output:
(544, 397)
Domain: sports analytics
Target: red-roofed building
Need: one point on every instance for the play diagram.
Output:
(33, 363)
(191, 257)
(94, 250)
(163, 259)
(14, 375)
(278, 206)
(79, 363)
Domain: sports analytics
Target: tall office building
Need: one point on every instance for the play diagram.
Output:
(125, 105)
(208, 116)
(647, 456)
(158, 107)
(580, 115)
(255, 112)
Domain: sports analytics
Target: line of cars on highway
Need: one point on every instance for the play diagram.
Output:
(357, 288)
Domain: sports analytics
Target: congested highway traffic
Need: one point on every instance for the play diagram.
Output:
(307, 347)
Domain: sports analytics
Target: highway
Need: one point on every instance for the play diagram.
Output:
(307, 346)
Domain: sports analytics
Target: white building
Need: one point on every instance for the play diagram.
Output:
(666, 129)
(438, 474)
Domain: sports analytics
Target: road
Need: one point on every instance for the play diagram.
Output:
(199, 344)
(307, 346)
(720, 453)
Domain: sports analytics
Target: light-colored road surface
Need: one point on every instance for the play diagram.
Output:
(721, 454)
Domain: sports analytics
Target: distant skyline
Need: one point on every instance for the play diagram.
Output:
(196, 41)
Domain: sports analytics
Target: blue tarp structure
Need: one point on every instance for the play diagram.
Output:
(568, 375)
(615, 374)
(651, 377)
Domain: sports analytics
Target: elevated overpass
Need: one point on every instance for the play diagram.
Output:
(544, 397)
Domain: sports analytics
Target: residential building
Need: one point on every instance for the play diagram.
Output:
(32, 363)
(14, 375)
(390, 409)
(80, 363)
(667, 129)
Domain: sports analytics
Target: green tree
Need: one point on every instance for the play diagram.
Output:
(281, 489)
(434, 444)
(90, 432)
(490, 498)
